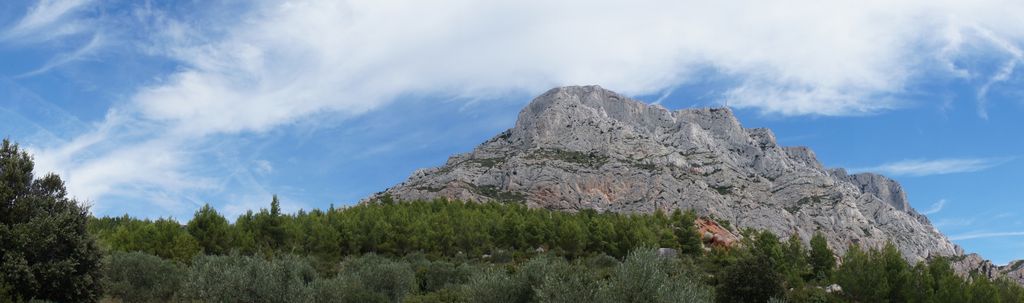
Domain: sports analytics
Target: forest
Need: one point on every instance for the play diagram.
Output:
(431, 251)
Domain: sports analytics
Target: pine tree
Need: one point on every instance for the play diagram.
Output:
(275, 207)
(686, 232)
(756, 276)
(211, 230)
(796, 266)
(822, 260)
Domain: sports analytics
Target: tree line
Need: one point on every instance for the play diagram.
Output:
(436, 228)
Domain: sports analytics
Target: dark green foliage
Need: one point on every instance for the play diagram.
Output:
(723, 190)
(437, 228)
(874, 275)
(757, 273)
(165, 238)
(795, 265)
(211, 231)
(686, 232)
(436, 275)
(45, 250)
(343, 290)
(497, 194)
(140, 277)
(821, 258)
(446, 295)
(591, 159)
(263, 232)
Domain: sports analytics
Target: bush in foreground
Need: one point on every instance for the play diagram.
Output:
(248, 279)
(140, 277)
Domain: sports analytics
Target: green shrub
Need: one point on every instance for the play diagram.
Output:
(393, 279)
(575, 284)
(342, 290)
(532, 274)
(236, 278)
(446, 295)
(644, 277)
(434, 276)
(140, 277)
(493, 286)
(497, 285)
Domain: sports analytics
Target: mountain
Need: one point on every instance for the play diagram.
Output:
(585, 147)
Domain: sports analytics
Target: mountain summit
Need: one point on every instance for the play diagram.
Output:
(585, 147)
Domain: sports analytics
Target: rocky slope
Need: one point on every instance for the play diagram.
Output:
(971, 264)
(575, 147)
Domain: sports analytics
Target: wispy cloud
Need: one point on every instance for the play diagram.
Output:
(48, 19)
(983, 235)
(916, 168)
(1016, 56)
(87, 49)
(935, 208)
(954, 222)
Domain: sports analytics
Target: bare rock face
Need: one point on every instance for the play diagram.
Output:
(576, 148)
(972, 264)
(1014, 271)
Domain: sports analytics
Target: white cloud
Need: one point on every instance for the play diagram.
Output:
(935, 208)
(292, 59)
(123, 156)
(918, 168)
(983, 235)
(48, 19)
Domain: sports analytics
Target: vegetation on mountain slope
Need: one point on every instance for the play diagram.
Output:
(450, 251)
(430, 251)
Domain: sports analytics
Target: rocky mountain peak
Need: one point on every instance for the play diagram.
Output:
(585, 147)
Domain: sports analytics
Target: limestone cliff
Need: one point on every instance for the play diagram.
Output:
(586, 147)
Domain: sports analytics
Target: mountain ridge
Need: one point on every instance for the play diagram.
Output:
(585, 147)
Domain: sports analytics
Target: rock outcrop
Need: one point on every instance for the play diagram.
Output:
(714, 234)
(973, 264)
(1013, 271)
(576, 148)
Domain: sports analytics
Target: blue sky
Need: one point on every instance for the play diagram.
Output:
(154, 108)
